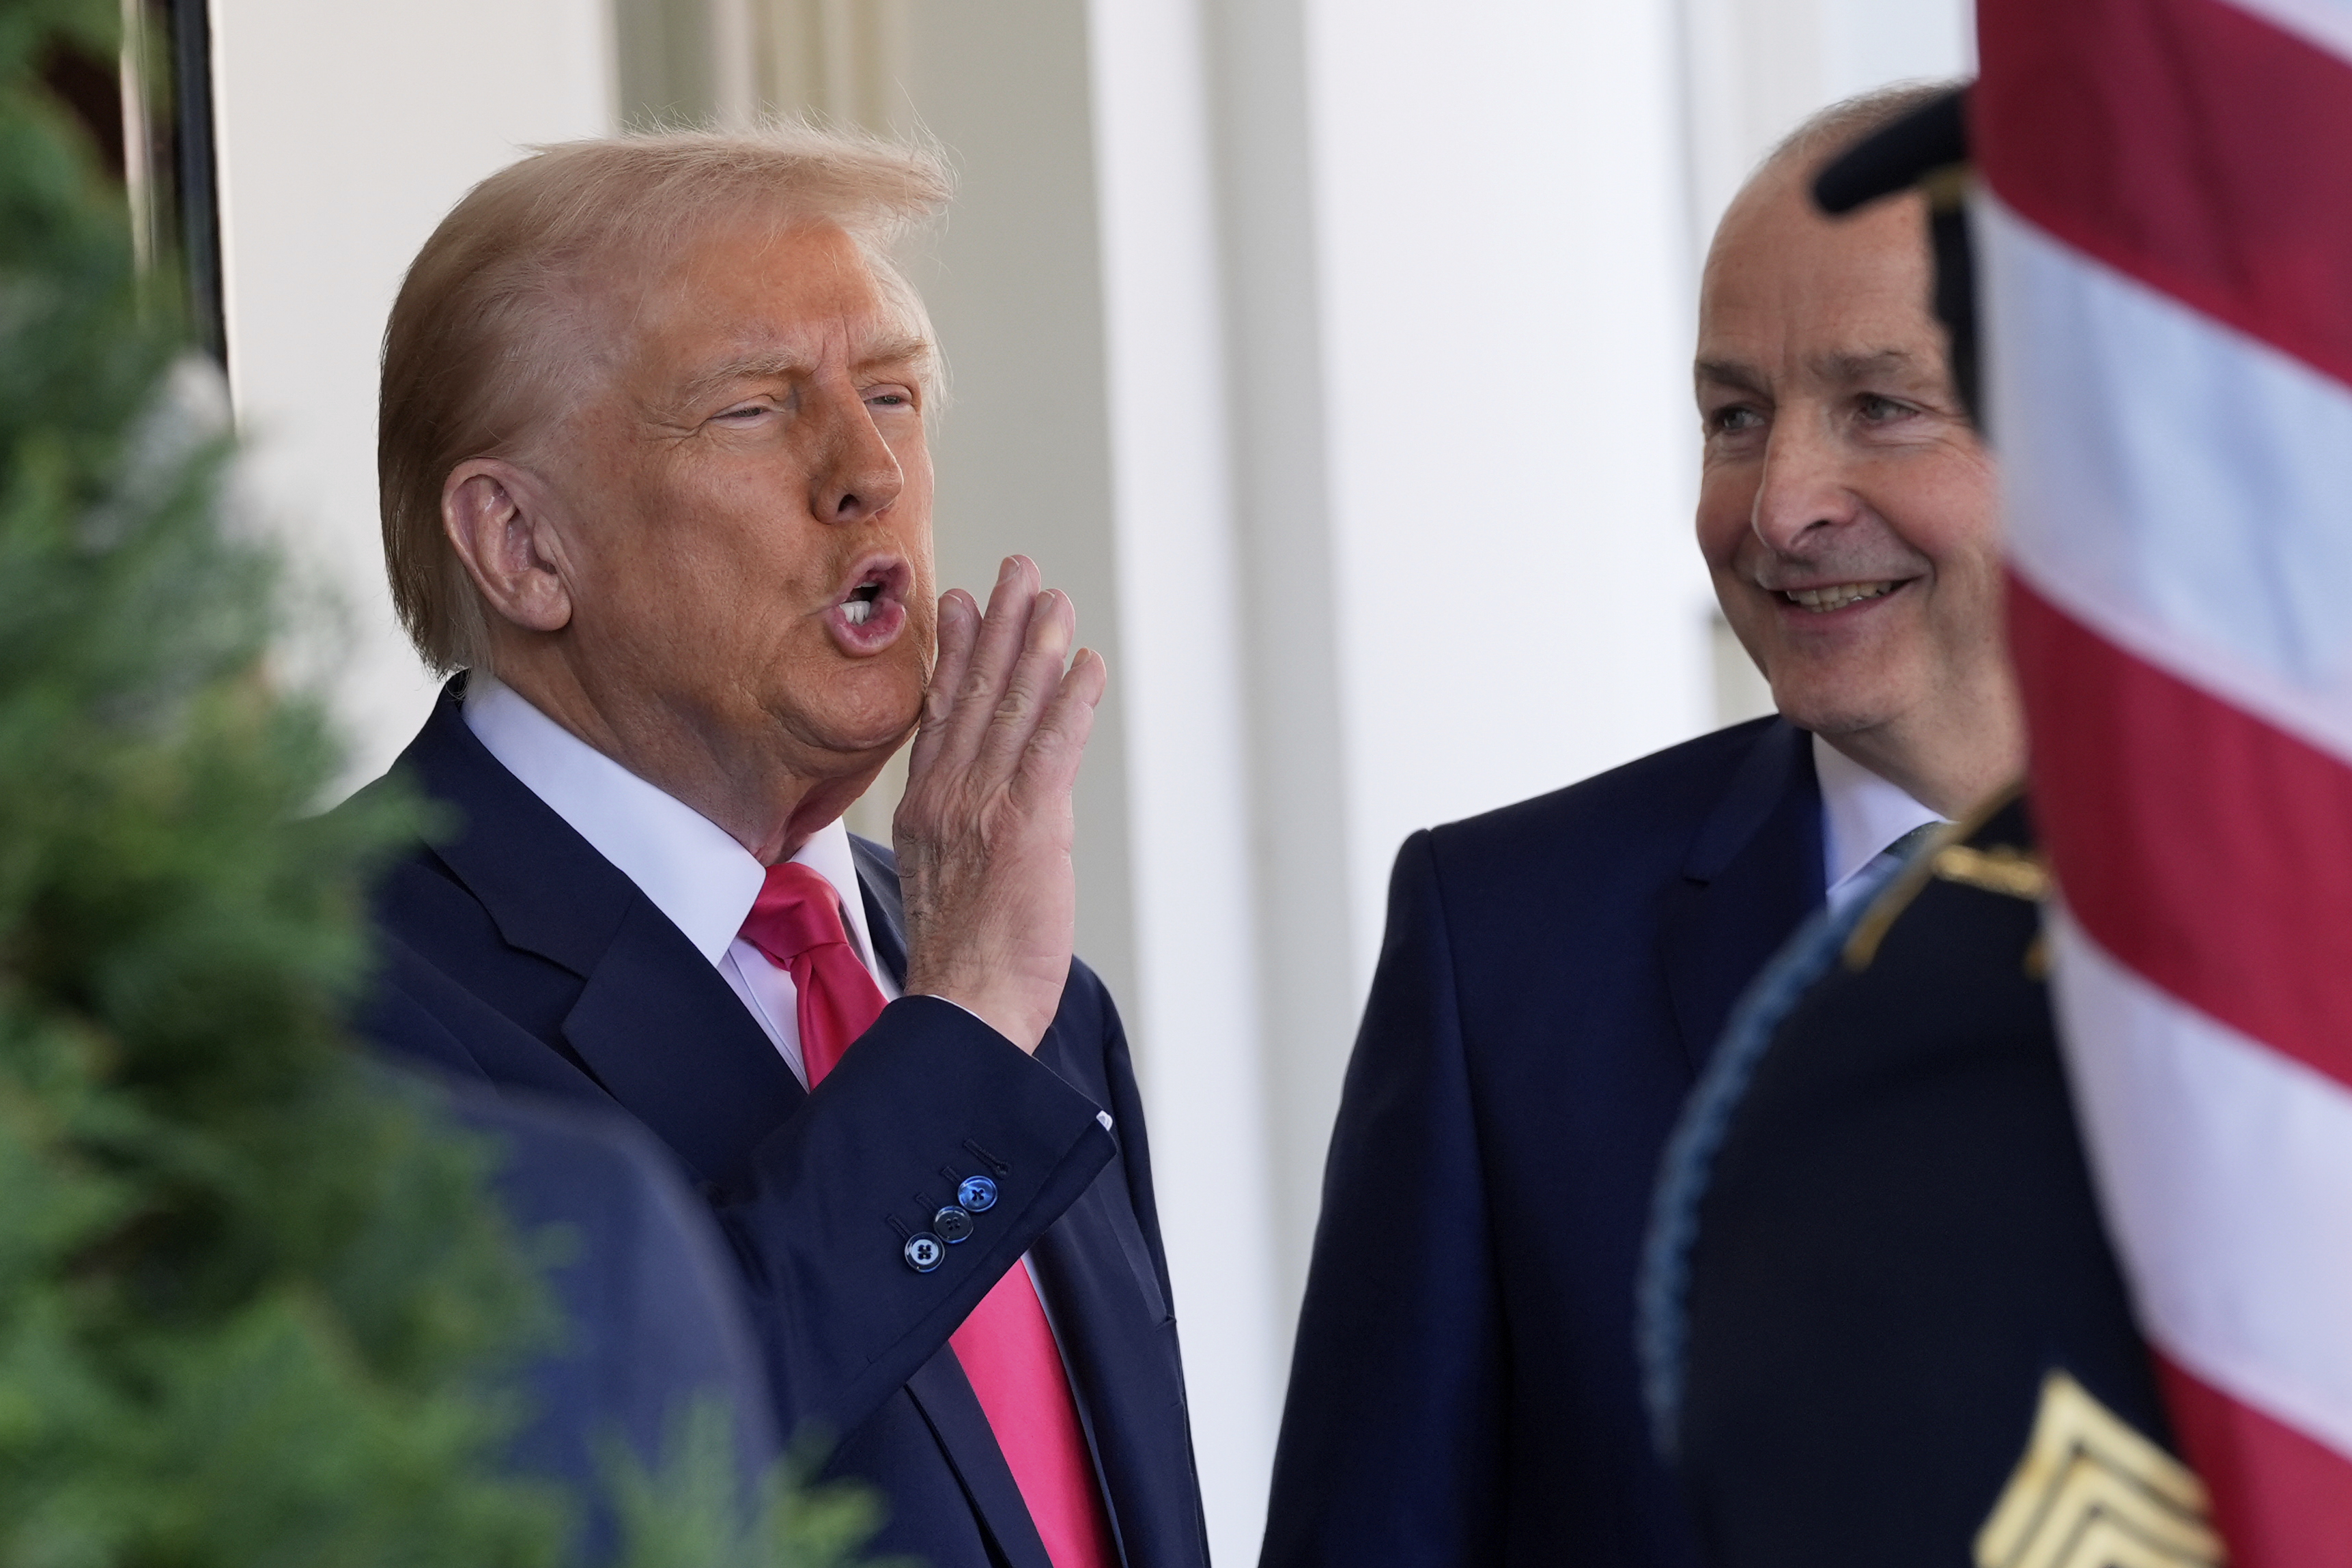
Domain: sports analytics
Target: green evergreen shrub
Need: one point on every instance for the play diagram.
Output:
(256, 1309)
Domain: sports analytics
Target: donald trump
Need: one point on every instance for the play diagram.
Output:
(656, 496)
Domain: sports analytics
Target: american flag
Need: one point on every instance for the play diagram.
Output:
(2166, 238)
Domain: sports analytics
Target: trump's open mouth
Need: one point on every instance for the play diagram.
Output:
(1837, 595)
(859, 606)
(872, 609)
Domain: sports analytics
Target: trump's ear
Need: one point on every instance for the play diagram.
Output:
(496, 515)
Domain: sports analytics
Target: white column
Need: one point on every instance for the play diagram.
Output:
(1507, 306)
(1190, 831)
(1274, 331)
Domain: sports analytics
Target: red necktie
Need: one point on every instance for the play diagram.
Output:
(1006, 1346)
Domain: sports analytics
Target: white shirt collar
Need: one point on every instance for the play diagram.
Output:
(1861, 815)
(690, 867)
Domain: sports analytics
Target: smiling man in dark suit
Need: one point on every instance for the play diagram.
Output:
(655, 485)
(1555, 974)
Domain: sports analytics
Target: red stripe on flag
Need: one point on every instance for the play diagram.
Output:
(2187, 143)
(2281, 1499)
(2204, 849)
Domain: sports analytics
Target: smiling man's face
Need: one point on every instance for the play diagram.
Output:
(751, 492)
(1847, 511)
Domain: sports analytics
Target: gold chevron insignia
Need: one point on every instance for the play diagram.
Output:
(2090, 1492)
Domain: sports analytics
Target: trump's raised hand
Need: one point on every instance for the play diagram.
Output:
(983, 834)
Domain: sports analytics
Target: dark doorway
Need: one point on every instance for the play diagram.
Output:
(150, 118)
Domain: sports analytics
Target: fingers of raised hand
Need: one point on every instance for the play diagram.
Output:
(1029, 685)
(1049, 764)
(1001, 635)
(959, 631)
(995, 649)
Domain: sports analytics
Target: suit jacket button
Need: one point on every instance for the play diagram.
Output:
(952, 1224)
(924, 1251)
(978, 1194)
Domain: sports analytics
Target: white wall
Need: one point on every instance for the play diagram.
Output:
(1181, 614)
(1506, 284)
(1753, 68)
(344, 134)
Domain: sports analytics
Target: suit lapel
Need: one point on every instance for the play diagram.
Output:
(654, 1023)
(1123, 1363)
(672, 1042)
(546, 888)
(944, 1395)
(1750, 876)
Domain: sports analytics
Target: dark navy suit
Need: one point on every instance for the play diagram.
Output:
(516, 954)
(1554, 975)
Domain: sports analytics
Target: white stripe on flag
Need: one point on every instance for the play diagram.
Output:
(2180, 488)
(2225, 1171)
(2323, 24)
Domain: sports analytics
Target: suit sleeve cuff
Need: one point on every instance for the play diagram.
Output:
(931, 1110)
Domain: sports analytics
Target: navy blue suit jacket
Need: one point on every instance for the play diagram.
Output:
(515, 953)
(1463, 1392)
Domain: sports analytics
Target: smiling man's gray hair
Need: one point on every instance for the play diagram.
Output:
(486, 341)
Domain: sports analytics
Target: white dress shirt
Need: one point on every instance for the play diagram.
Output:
(690, 867)
(1861, 814)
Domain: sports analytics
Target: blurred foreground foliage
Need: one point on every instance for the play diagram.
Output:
(256, 1306)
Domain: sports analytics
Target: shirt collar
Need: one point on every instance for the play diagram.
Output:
(690, 867)
(1861, 814)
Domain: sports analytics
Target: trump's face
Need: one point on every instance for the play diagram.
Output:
(1847, 512)
(750, 495)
